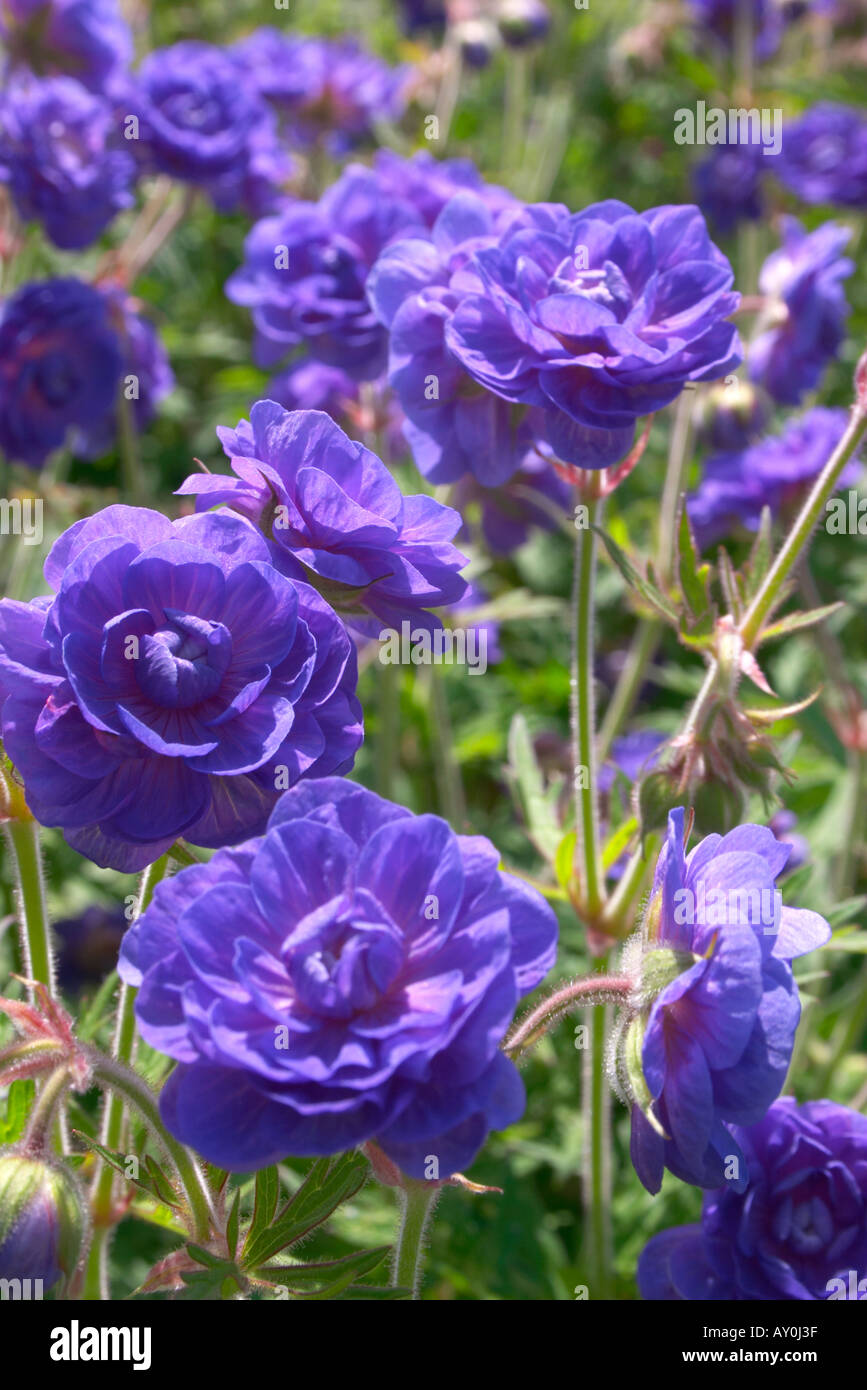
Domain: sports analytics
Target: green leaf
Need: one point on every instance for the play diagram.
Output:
(694, 576)
(326, 1279)
(538, 807)
(797, 622)
(762, 553)
(154, 1181)
(267, 1195)
(648, 591)
(98, 1011)
(564, 861)
(18, 1103)
(842, 912)
(616, 845)
(328, 1184)
(232, 1225)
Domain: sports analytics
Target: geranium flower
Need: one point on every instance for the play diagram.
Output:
(349, 976)
(799, 1231)
(174, 686)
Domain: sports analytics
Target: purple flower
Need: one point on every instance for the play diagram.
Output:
(737, 486)
(43, 1220)
(709, 1042)
(523, 22)
(173, 687)
(633, 755)
(61, 155)
(89, 39)
(798, 1232)
(336, 517)
(719, 19)
(311, 385)
(201, 123)
(824, 155)
(728, 186)
(430, 183)
(783, 823)
(60, 366)
(323, 88)
(508, 512)
(597, 318)
(808, 313)
(88, 946)
(454, 425)
(304, 272)
(419, 15)
(350, 976)
(146, 373)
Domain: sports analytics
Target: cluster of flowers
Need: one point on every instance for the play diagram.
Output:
(823, 154)
(79, 128)
(341, 971)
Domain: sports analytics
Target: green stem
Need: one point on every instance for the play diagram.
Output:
(799, 536)
(111, 1131)
(124, 1082)
(597, 1155)
(44, 1113)
(447, 773)
(417, 1202)
(582, 714)
(618, 917)
(35, 931)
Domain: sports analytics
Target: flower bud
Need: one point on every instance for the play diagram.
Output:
(43, 1220)
(732, 416)
(477, 39)
(523, 22)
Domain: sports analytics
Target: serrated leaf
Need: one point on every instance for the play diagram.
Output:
(799, 622)
(232, 1225)
(267, 1196)
(327, 1186)
(761, 554)
(330, 1276)
(648, 591)
(155, 1183)
(161, 1184)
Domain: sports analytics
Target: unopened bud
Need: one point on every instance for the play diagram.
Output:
(523, 22)
(43, 1220)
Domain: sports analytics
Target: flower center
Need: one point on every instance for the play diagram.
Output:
(607, 286)
(344, 964)
(184, 662)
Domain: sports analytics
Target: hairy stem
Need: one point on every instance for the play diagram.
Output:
(417, 1201)
(597, 1156)
(23, 836)
(596, 989)
(582, 714)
